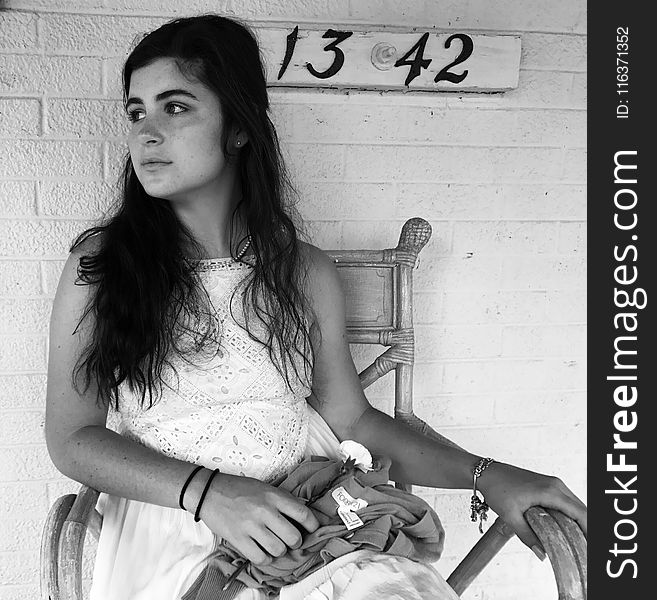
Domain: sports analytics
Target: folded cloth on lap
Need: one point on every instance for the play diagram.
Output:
(394, 522)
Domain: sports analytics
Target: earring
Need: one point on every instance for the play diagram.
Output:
(239, 142)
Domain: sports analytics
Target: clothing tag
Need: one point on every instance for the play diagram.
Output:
(344, 500)
(350, 519)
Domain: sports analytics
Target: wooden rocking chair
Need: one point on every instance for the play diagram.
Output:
(379, 288)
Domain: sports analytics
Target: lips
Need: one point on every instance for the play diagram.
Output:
(154, 161)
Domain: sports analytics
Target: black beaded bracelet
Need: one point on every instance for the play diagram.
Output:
(197, 514)
(184, 487)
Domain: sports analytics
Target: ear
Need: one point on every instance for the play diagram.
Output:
(240, 139)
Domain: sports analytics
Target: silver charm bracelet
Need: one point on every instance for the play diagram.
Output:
(478, 506)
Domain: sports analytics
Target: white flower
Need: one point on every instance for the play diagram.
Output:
(357, 452)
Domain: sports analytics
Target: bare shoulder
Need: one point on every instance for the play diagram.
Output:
(324, 283)
(321, 269)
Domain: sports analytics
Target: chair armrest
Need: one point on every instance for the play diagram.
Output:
(565, 545)
(50, 546)
(560, 536)
(83, 515)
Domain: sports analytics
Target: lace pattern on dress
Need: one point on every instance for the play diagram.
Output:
(232, 410)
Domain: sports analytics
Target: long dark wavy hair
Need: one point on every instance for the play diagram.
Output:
(145, 294)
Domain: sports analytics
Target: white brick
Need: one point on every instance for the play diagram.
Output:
(427, 379)
(326, 235)
(372, 124)
(335, 10)
(22, 391)
(282, 117)
(504, 237)
(493, 307)
(17, 198)
(24, 353)
(578, 97)
(451, 505)
(52, 271)
(526, 440)
(473, 377)
(544, 272)
(20, 534)
(540, 89)
(553, 51)
(19, 117)
(94, 34)
(114, 158)
(565, 374)
(20, 568)
(458, 341)
(546, 202)
(326, 200)
(62, 487)
(447, 201)
(427, 308)
(540, 407)
(38, 238)
(572, 238)
(551, 340)
(66, 5)
(471, 273)
(575, 166)
(29, 463)
(112, 73)
(564, 306)
(19, 278)
(56, 75)
(24, 316)
(459, 164)
(47, 158)
(447, 411)
(17, 31)
(311, 162)
(503, 15)
(76, 199)
(30, 497)
(72, 117)
(168, 7)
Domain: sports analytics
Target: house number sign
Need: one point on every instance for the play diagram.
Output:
(421, 61)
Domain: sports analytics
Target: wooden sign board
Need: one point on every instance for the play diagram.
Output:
(384, 60)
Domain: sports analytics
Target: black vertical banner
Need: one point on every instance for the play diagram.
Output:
(622, 260)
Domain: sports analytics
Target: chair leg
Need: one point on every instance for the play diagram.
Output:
(50, 589)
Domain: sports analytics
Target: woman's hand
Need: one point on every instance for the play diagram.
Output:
(510, 491)
(259, 520)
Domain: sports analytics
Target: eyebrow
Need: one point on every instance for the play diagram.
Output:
(163, 96)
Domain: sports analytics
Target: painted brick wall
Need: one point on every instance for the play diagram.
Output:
(500, 289)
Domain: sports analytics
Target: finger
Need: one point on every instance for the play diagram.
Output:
(571, 506)
(285, 531)
(270, 543)
(527, 536)
(252, 552)
(291, 507)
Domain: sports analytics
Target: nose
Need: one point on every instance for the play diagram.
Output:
(150, 132)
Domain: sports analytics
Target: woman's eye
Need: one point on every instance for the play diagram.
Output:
(175, 109)
(135, 115)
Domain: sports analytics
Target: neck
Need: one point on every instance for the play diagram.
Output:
(208, 217)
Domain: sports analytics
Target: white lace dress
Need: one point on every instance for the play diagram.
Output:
(234, 412)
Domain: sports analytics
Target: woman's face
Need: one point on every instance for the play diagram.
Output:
(175, 135)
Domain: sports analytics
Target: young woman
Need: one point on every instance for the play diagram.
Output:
(193, 328)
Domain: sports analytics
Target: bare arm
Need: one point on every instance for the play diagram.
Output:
(80, 445)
